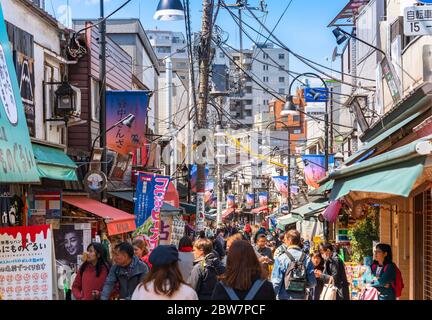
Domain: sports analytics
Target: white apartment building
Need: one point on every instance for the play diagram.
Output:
(265, 64)
(173, 44)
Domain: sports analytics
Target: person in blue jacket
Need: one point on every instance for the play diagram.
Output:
(384, 272)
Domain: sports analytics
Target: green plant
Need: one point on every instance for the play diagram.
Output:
(362, 235)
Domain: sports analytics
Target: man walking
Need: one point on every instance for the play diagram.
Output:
(293, 272)
(128, 271)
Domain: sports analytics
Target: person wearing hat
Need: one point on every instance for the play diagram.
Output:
(164, 281)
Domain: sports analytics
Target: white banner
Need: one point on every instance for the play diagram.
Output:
(26, 263)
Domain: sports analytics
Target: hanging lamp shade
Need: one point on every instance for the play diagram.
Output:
(169, 10)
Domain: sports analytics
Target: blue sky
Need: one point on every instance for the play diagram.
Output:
(303, 27)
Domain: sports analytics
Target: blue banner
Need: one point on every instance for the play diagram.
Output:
(193, 177)
(321, 94)
(250, 199)
(263, 199)
(150, 194)
(314, 168)
(230, 201)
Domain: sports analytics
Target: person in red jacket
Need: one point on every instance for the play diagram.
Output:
(91, 276)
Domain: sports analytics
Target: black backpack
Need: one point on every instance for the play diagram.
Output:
(296, 276)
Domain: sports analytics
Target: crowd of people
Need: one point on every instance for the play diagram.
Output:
(230, 263)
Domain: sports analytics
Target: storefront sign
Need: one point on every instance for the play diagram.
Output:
(17, 162)
(177, 230)
(48, 203)
(119, 104)
(25, 74)
(122, 163)
(200, 211)
(150, 194)
(392, 79)
(26, 263)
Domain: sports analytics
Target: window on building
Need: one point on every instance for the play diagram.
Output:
(297, 131)
(265, 55)
(296, 118)
(236, 58)
(281, 91)
(265, 102)
(248, 102)
(281, 56)
(265, 79)
(164, 49)
(248, 113)
(221, 55)
(284, 119)
(265, 67)
(282, 79)
(248, 89)
(281, 68)
(95, 101)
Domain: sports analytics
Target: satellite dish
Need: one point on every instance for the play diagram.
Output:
(335, 54)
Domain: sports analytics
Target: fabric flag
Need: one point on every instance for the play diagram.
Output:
(263, 199)
(250, 199)
(150, 194)
(209, 191)
(119, 104)
(230, 201)
(314, 168)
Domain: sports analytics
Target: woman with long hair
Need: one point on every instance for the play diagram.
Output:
(244, 278)
(141, 251)
(318, 263)
(164, 281)
(92, 274)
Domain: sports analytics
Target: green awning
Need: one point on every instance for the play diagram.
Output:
(396, 179)
(189, 207)
(327, 186)
(311, 208)
(54, 164)
(373, 143)
(288, 219)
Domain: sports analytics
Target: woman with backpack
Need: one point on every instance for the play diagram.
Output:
(334, 271)
(244, 278)
(385, 272)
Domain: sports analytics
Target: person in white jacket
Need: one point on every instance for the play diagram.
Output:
(164, 281)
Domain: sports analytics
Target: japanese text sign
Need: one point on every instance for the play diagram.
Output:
(26, 263)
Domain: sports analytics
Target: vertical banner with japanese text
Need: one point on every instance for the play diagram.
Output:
(26, 263)
(150, 194)
(119, 104)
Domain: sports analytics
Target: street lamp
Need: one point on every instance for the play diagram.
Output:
(289, 108)
(342, 35)
(169, 10)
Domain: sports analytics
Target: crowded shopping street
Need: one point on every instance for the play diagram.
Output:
(200, 154)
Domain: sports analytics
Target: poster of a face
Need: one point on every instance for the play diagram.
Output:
(69, 245)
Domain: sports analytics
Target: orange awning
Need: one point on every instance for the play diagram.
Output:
(227, 212)
(260, 209)
(117, 221)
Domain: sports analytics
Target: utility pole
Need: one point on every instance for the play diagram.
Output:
(204, 70)
(102, 80)
(173, 143)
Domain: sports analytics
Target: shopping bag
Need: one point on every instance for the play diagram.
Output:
(369, 293)
(329, 292)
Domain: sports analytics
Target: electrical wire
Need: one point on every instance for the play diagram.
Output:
(306, 61)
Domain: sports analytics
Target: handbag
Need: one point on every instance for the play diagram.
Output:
(329, 291)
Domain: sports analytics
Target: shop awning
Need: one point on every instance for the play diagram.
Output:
(53, 163)
(260, 209)
(117, 221)
(287, 220)
(169, 210)
(189, 207)
(393, 172)
(372, 144)
(227, 212)
(124, 195)
(311, 208)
